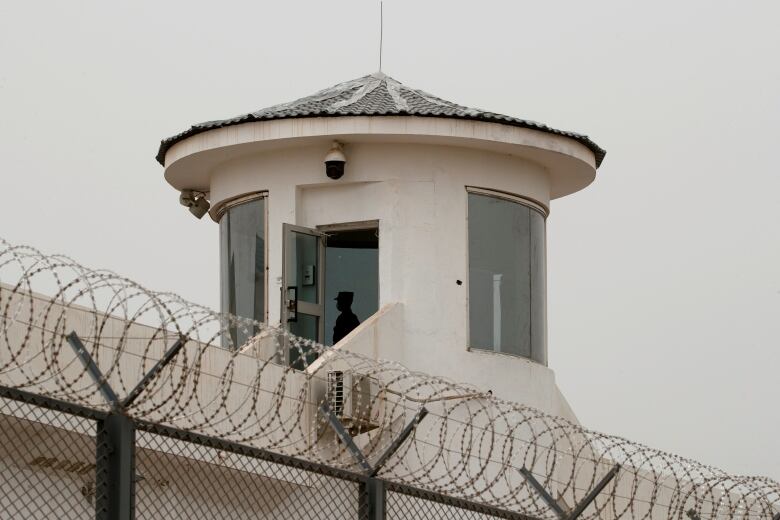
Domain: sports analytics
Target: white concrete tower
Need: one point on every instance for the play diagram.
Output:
(429, 216)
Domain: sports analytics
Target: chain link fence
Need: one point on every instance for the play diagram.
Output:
(405, 502)
(181, 479)
(47, 462)
(56, 457)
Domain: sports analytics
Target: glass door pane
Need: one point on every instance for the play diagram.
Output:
(303, 285)
(305, 326)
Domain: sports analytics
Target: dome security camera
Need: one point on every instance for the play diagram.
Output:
(335, 161)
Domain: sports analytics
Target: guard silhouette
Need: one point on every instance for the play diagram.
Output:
(347, 321)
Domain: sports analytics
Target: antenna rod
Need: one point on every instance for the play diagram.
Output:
(381, 30)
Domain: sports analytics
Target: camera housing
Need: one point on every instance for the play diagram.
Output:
(335, 160)
(195, 201)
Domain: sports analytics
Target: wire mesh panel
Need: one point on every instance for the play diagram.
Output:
(421, 506)
(47, 463)
(181, 479)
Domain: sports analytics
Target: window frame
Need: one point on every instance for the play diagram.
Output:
(511, 197)
(534, 205)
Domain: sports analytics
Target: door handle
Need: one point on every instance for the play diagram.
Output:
(292, 303)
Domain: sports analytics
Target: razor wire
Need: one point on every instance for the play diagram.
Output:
(471, 445)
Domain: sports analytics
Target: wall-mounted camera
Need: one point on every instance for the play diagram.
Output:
(196, 201)
(335, 161)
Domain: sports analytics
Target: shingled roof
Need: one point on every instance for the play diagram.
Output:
(373, 95)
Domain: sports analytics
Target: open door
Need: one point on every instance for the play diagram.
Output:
(303, 289)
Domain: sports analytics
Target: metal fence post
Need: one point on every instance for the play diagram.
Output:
(115, 468)
(114, 442)
(575, 513)
(372, 499)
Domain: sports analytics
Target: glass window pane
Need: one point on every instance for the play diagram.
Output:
(242, 265)
(506, 251)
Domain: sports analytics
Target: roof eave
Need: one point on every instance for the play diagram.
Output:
(598, 152)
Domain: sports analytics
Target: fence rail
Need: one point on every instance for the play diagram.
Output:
(122, 402)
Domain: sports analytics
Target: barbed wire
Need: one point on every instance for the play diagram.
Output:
(266, 393)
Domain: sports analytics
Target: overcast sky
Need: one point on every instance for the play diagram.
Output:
(664, 275)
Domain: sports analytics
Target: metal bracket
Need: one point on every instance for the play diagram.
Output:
(691, 513)
(408, 429)
(345, 437)
(94, 371)
(577, 511)
(548, 499)
(151, 374)
(579, 508)
(372, 494)
(101, 380)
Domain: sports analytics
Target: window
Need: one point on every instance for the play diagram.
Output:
(506, 276)
(242, 264)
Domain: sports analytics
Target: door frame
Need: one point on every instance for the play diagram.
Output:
(350, 226)
(359, 225)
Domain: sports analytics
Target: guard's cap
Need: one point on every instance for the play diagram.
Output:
(345, 296)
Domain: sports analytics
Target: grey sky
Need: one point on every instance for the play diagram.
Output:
(664, 275)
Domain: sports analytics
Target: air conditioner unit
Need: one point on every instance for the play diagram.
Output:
(351, 397)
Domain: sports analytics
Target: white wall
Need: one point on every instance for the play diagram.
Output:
(417, 192)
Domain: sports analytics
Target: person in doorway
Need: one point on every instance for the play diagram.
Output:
(347, 321)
